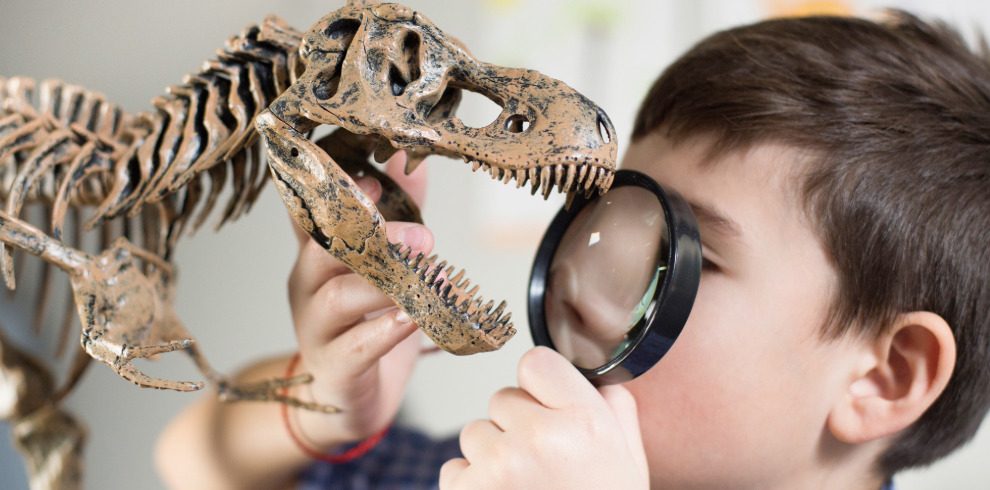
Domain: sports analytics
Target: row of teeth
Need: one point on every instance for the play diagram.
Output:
(453, 289)
(565, 177)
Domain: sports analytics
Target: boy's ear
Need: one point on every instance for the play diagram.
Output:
(902, 374)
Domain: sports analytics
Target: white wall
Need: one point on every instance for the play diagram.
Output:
(231, 291)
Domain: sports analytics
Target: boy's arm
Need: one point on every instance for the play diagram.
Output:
(213, 445)
(554, 431)
(354, 342)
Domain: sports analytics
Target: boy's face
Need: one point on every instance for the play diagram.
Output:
(743, 396)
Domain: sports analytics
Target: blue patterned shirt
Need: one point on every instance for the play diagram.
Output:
(405, 459)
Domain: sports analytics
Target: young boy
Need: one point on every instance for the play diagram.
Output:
(840, 174)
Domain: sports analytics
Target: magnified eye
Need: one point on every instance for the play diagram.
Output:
(615, 278)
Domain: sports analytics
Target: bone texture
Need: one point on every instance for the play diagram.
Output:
(382, 74)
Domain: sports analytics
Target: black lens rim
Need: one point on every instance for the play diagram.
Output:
(674, 298)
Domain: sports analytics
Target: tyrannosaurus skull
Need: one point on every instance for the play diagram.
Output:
(387, 71)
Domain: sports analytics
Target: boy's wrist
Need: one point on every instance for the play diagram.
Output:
(320, 431)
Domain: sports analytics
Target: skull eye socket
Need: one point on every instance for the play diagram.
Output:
(517, 123)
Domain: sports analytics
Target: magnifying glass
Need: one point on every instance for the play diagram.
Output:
(615, 278)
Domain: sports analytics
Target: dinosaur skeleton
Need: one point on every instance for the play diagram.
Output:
(382, 74)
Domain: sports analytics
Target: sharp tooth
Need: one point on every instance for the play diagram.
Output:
(437, 271)
(547, 188)
(520, 177)
(431, 278)
(384, 151)
(591, 179)
(456, 278)
(474, 165)
(478, 310)
(569, 181)
(486, 312)
(498, 311)
(582, 173)
(506, 176)
(558, 176)
(412, 162)
(608, 181)
(495, 172)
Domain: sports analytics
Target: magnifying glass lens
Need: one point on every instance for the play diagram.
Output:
(603, 277)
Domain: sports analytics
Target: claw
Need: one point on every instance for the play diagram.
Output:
(273, 390)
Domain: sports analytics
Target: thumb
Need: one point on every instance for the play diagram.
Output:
(623, 406)
(413, 235)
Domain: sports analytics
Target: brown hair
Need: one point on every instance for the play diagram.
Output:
(898, 114)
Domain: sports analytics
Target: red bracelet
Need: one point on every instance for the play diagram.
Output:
(347, 456)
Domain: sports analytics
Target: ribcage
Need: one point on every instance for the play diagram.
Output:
(149, 176)
(68, 147)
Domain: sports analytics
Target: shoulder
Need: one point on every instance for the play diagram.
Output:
(405, 459)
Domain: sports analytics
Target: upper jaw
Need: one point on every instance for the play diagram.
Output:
(388, 70)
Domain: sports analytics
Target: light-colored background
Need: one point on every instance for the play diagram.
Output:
(231, 292)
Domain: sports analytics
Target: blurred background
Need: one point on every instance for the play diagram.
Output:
(231, 292)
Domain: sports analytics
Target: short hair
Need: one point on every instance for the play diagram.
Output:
(896, 114)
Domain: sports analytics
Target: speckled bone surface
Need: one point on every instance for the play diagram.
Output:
(386, 70)
(384, 75)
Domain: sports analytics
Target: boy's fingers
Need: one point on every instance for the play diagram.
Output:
(340, 303)
(623, 405)
(414, 235)
(477, 439)
(371, 187)
(512, 407)
(314, 267)
(414, 184)
(553, 381)
(365, 344)
(450, 471)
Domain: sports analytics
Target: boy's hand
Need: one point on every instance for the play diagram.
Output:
(554, 431)
(358, 346)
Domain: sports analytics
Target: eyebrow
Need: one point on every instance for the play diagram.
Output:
(715, 220)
